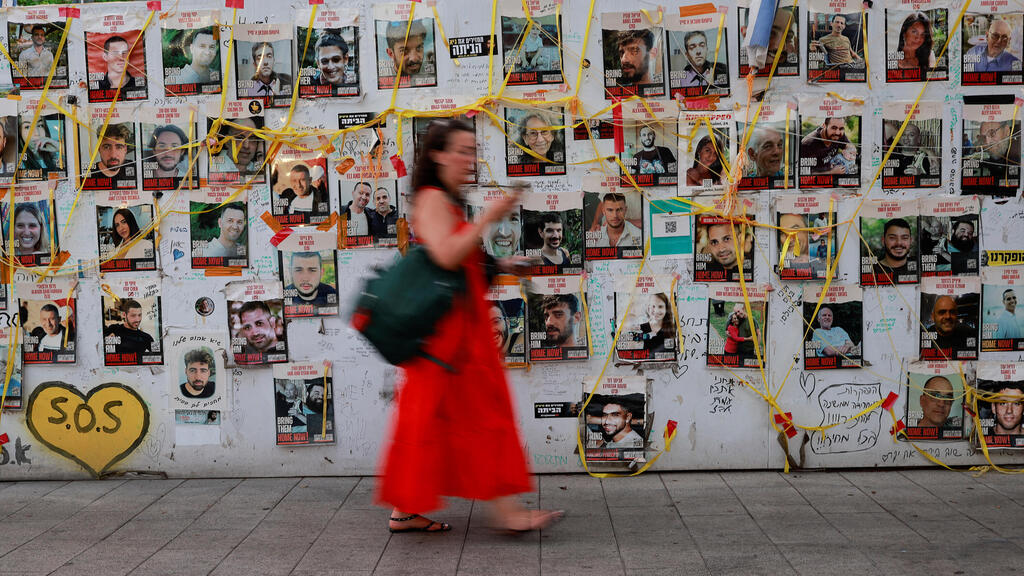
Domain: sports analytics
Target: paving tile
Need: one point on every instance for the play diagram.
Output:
(747, 560)
(699, 494)
(644, 490)
(831, 493)
(815, 559)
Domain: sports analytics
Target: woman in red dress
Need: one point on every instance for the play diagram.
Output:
(454, 432)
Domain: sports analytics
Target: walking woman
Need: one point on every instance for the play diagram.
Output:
(454, 432)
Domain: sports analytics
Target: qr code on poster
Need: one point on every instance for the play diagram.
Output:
(670, 227)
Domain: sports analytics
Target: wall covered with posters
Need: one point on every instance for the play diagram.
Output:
(807, 268)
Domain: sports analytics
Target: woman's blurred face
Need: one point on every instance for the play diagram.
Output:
(121, 227)
(27, 230)
(457, 162)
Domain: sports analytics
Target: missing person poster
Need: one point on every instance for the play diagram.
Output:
(784, 38)
(645, 309)
(308, 260)
(45, 144)
(114, 165)
(33, 37)
(48, 320)
(125, 230)
(420, 124)
(198, 378)
(132, 322)
(949, 317)
(772, 145)
(1002, 408)
(170, 161)
(1002, 328)
(372, 178)
(698, 52)
(807, 233)
(304, 403)
(256, 322)
(10, 387)
(298, 186)
(735, 339)
(115, 55)
(218, 227)
(830, 142)
(237, 154)
(329, 67)
(649, 153)
(615, 420)
(190, 43)
(888, 251)
(9, 150)
(35, 227)
(991, 146)
(534, 142)
(833, 338)
(534, 56)
(634, 63)
(405, 48)
(504, 238)
(614, 217)
(557, 320)
(724, 244)
(836, 37)
(949, 235)
(553, 232)
(935, 401)
(915, 33)
(263, 63)
(991, 47)
(916, 159)
(705, 155)
(507, 313)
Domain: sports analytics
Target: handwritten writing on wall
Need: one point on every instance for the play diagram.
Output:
(839, 403)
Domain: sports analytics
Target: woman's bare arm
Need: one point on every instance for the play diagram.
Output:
(434, 225)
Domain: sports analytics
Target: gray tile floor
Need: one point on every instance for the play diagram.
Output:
(851, 523)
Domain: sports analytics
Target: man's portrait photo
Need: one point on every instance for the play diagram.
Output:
(782, 38)
(129, 329)
(117, 65)
(616, 421)
(835, 52)
(991, 146)
(407, 49)
(200, 375)
(258, 334)
(310, 283)
(114, 168)
(949, 245)
(889, 253)
(558, 329)
(49, 332)
(830, 151)
(650, 154)
(191, 61)
(949, 323)
(916, 159)
(935, 409)
(534, 57)
(633, 57)
(299, 189)
(219, 233)
(331, 63)
(695, 68)
(264, 71)
(1002, 327)
(835, 338)
(615, 221)
(991, 48)
(720, 246)
(166, 159)
(240, 159)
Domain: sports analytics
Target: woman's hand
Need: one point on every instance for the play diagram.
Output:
(516, 265)
(499, 208)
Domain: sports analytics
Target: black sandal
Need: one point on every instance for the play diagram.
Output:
(444, 526)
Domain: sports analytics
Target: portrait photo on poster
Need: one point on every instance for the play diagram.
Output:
(32, 44)
(935, 401)
(47, 311)
(13, 398)
(534, 142)
(115, 63)
(734, 338)
(168, 162)
(949, 318)
(405, 46)
(915, 161)
(304, 403)
(309, 273)
(830, 143)
(197, 377)
(263, 63)
(991, 146)
(45, 144)
(190, 44)
(644, 307)
(714, 253)
(553, 232)
(218, 228)
(533, 57)
(298, 186)
(507, 313)
(116, 163)
(835, 41)
(256, 322)
(370, 211)
(649, 154)
(992, 49)
(1002, 327)
(949, 236)
(36, 233)
(239, 154)
(132, 323)
(915, 33)
(1001, 414)
(557, 325)
(834, 337)
(698, 54)
(615, 421)
(807, 234)
(783, 37)
(634, 60)
(503, 238)
(772, 146)
(888, 253)
(615, 222)
(125, 231)
(706, 153)
(329, 67)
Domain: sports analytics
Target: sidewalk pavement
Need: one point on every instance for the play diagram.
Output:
(851, 523)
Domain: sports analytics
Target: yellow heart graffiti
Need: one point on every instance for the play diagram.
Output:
(96, 430)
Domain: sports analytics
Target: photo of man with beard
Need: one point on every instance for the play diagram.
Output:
(199, 375)
(617, 426)
(305, 292)
(651, 165)
(949, 245)
(633, 60)
(557, 327)
(258, 334)
(304, 403)
(949, 322)
(715, 257)
(317, 400)
(115, 169)
(898, 261)
(992, 156)
(241, 157)
(405, 49)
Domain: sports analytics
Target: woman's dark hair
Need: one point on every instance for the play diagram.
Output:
(668, 323)
(133, 226)
(924, 51)
(716, 167)
(424, 172)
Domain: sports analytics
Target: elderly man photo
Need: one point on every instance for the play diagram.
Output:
(50, 333)
(766, 151)
(831, 340)
(950, 332)
(936, 401)
(991, 55)
(997, 151)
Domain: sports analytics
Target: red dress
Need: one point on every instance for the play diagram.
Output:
(454, 434)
